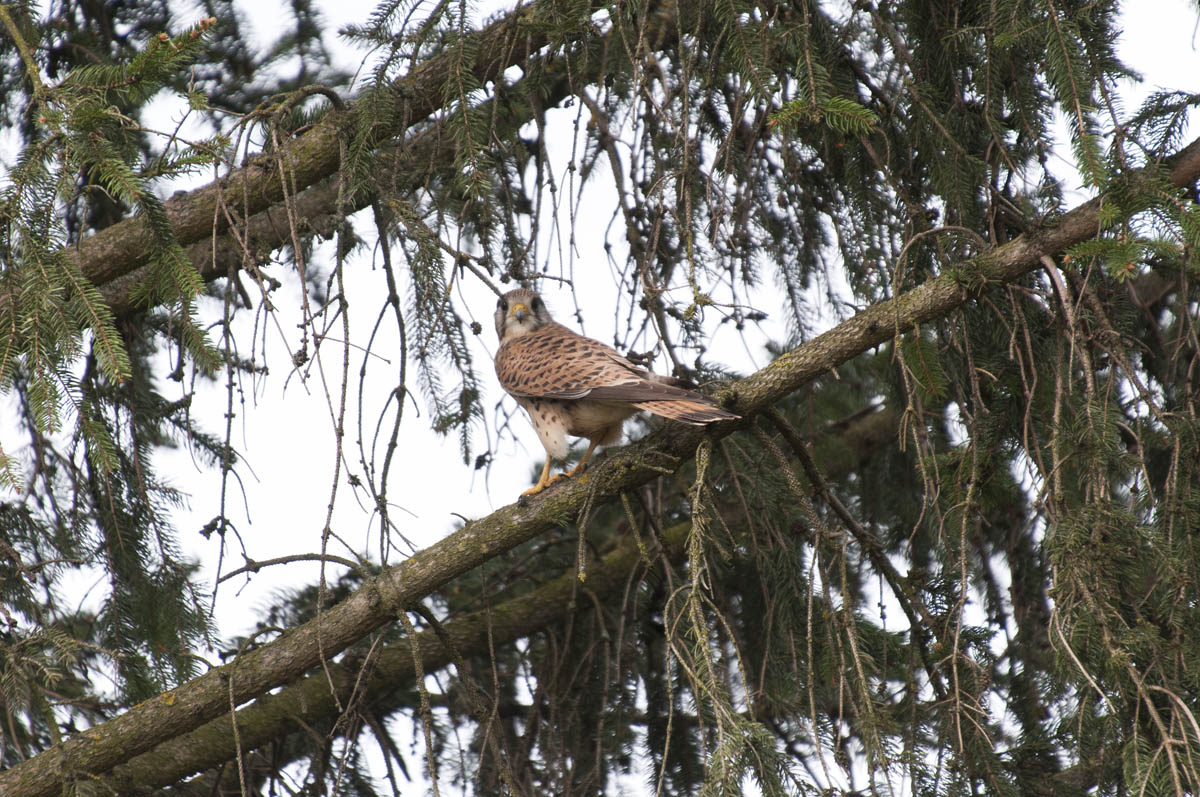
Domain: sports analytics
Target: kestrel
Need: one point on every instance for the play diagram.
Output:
(572, 385)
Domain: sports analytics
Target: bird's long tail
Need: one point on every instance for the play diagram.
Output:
(686, 411)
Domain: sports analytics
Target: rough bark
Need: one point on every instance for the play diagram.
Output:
(315, 155)
(323, 695)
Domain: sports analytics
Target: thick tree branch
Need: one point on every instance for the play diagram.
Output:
(315, 155)
(317, 701)
(378, 601)
(419, 157)
(320, 697)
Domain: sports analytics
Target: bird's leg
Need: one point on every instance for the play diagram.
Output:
(543, 482)
(583, 460)
(548, 480)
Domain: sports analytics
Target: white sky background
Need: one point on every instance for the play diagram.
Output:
(283, 426)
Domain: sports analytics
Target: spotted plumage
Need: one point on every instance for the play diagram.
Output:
(572, 385)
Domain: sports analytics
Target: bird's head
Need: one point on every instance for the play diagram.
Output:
(520, 312)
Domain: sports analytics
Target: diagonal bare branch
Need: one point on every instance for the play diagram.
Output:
(417, 158)
(315, 155)
(320, 696)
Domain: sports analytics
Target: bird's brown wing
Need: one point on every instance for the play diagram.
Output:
(556, 363)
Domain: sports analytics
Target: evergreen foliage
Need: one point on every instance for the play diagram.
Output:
(962, 561)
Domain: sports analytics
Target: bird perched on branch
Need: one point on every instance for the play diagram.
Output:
(572, 385)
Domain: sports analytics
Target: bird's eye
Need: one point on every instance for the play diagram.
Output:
(536, 303)
(503, 305)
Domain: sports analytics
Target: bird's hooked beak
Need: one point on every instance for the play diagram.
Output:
(519, 311)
